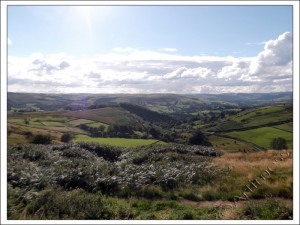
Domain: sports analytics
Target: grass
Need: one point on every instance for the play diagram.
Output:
(270, 210)
(14, 138)
(242, 167)
(66, 129)
(17, 135)
(228, 144)
(107, 115)
(116, 141)
(269, 118)
(263, 136)
(286, 126)
(50, 118)
(53, 124)
(263, 115)
(97, 124)
(79, 121)
(256, 112)
(57, 204)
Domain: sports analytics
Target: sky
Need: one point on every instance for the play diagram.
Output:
(150, 49)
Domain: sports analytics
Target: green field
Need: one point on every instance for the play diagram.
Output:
(52, 124)
(228, 144)
(263, 115)
(79, 121)
(263, 136)
(286, 126)
(107, 115)
(124, 142)
(49, 119)
(257, 112)
(98, 124)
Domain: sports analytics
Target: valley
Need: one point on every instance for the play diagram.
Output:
(157, 156)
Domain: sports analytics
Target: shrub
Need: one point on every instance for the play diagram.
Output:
(278, 143)
(66, 138)
(199, 139)
(42, 139)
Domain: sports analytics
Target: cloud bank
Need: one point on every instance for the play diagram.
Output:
(129, 70)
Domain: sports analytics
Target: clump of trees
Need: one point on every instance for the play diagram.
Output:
(66, 138)
(199, 138)
(278, 143)
(42, 139)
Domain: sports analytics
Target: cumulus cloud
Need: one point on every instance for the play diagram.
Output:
(42, 67)
(136, 71)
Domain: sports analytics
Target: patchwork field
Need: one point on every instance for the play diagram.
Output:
(107, 115)
(116, 141)
(263, 136)
(256, 117)
(264, 115)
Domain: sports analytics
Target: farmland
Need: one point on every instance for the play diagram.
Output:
(115, 141)
(263, 136)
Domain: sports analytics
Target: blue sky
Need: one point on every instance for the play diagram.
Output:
(193, 30)
(134, 48)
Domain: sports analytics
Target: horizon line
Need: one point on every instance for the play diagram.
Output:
(154, 93)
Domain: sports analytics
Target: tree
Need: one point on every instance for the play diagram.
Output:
(155, 133)
(278, 143)
(41, 139)
(66, 137)
(199, 138)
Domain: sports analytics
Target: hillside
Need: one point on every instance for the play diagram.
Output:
(256, 117)
(163, 103)
(249, 99)
(259, 125)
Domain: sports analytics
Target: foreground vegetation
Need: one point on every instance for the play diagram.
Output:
(91, 181)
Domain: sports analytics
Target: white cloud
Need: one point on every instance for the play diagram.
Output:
(135, 71)
(123, 49)
(9, 42)
(169, 49)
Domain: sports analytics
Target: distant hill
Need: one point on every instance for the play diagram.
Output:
(162, 103)
(146, 114)
(249, 99)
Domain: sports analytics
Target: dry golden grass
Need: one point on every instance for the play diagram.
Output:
(242, 162)
(245, 167)
(17, 134)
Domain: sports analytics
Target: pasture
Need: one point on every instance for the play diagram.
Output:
(286, 126)
(263, 136)
(263, 116)
(123, 142)
(228, 144)
(78, 122)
